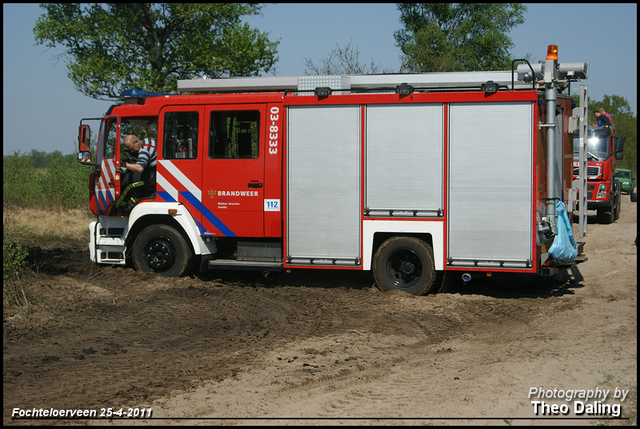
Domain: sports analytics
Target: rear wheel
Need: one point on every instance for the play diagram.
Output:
(406, 264)
(161, 249)
(618, 207)
(606, 215)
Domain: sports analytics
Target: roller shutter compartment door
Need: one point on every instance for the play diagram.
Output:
(323, 184)
(404, 159)
(490, 183)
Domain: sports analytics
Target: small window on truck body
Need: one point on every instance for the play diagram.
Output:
(234, 134)
(180, 137)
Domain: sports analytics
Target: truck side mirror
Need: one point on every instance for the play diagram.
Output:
(83, 138)
(84, 155)
(618, 147)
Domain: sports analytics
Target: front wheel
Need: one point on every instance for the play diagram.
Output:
(406, 264)
(161, 249)
(606, 215)
(618, 209)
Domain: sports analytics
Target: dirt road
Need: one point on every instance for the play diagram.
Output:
(326, 348)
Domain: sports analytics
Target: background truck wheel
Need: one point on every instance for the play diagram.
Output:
(161, 249)
(406, 264)
(606, 215)
(618, 206)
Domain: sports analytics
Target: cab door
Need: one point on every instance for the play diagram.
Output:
(233, 171)
(107, 179)
(180, 148)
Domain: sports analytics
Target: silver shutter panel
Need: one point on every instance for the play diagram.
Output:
(404, 158)
(323, 184)
(490, 182)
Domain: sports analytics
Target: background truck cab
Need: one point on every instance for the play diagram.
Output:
(602, 148)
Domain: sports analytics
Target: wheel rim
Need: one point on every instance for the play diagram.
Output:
(160, 254)
(404, 268)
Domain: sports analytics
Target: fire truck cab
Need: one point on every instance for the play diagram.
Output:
(408, 176)
(604, 192)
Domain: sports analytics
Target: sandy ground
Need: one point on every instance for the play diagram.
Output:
(326, 348)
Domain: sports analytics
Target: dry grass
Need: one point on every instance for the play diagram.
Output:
(36, 226)
(26, 227)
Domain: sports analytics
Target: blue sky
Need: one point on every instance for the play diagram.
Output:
(42, 109)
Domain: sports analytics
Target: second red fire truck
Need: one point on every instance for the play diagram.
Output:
(604, 193)
(410, 176)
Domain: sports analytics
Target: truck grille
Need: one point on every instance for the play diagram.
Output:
(591, 171)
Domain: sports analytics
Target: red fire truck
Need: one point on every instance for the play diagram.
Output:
(410, 176)
(604, 193)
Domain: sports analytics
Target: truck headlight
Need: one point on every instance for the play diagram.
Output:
(602, 190)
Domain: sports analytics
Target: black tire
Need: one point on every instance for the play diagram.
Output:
(618, 208)
(406, 264)
(617, 200)
(161, 249)
(606, 215)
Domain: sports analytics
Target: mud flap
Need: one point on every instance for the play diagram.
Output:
(575, 273)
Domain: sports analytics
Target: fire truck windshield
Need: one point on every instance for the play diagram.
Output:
(597, 147)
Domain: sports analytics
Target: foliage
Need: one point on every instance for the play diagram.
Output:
(626, 126)
(343, 60)
(59, 182)
(42, 159)
(19, 181)
(13, 263)
(13, 259)
(445, 37)
(65, 183)
(111, 47)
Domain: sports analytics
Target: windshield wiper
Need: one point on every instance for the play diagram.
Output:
(593, 156)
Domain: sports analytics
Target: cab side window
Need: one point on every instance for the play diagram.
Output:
(110, 139)
(180, 137)
(234, 135)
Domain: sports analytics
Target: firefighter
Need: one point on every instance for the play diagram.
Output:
(602, 112)
(132, 143)
(147, 155)
(602, 116)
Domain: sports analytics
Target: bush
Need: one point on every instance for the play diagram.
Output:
(60, 183)
(64, 184)
(14, 263)
(13, 260)
(20, 185)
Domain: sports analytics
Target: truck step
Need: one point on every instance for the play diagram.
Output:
(244, 265)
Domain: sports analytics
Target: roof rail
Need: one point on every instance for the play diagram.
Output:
(355, 83)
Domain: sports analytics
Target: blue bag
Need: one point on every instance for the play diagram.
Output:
(564, 246)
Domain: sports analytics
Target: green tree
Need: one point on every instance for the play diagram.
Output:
(52, 158)
(444, 37)
(37, 158)
(626, 126)
(111, 47)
